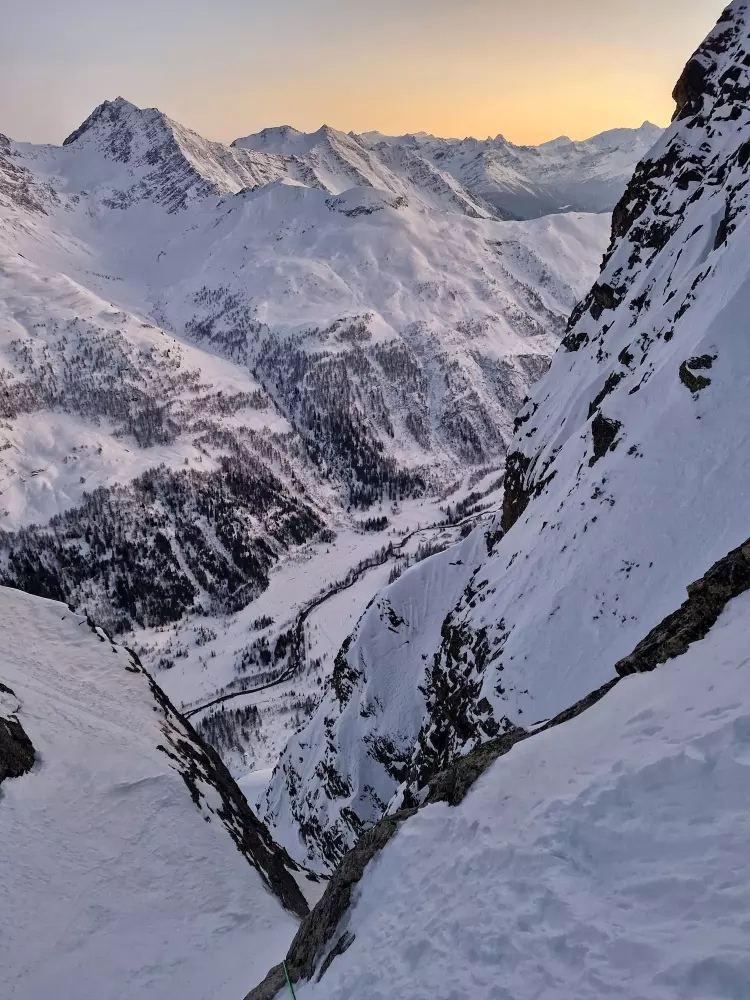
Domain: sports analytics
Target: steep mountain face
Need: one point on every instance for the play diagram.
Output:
(623, 486)
(132, 864)
(598, 857)
(529, 181)
(208, 354)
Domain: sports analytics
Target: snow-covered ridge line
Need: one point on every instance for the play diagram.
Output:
(488, 177)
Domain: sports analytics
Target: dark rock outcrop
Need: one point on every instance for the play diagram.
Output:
(199, 764)
(17, 753)
(516, 496)
(604, 433)
(316, 932)
(706, 600)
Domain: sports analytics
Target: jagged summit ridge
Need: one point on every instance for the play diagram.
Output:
(154, 157)
(492, 174)
(108, 112)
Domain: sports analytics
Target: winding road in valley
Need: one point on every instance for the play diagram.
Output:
(385, 555)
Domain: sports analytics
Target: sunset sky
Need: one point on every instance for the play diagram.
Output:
(530, 69)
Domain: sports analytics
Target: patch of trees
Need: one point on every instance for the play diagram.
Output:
(81, 368)
(166, 544)
(373, 524)
(230, 728)
(335, 403)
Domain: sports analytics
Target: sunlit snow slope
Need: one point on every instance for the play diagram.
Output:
(627, 479)
(132, 867)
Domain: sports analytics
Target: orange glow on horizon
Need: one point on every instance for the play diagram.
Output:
(455, 68)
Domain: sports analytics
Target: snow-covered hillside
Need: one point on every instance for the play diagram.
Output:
(623, 486)
(601, 858)
(132, 865)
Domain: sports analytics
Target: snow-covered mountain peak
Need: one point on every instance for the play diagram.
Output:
(338, 161)
(282, 139)
(108, 115)
(129, 154)
(285, 140)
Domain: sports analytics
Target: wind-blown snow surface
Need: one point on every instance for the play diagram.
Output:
(115, 884)
(628, 478)
(603, 858)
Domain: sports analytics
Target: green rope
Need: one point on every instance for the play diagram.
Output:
(288, 980)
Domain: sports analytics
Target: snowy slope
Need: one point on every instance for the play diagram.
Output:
(602, 858)
(131, 864)
(623, 486)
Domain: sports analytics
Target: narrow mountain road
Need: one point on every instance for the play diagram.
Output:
(385, 555)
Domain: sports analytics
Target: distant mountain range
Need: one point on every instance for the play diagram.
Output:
(488, 176)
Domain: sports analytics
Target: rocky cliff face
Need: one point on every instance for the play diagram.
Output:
(684, 201)
(624, 484)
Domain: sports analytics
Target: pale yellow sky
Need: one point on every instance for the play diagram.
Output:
(530, 69)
